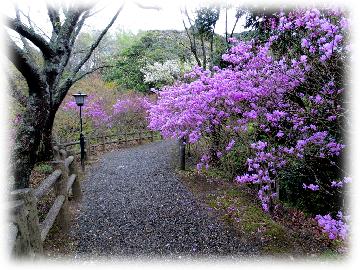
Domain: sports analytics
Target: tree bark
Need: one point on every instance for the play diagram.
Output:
(203, 51)
(45, 151)
(28, 139)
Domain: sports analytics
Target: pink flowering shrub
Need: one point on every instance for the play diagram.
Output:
(114, 113)
(334, 228)
(131, 112)
(93, 110)
(280, 109)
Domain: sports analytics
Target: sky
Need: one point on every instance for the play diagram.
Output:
(136, 15)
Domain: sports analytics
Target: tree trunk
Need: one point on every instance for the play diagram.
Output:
(214, 146)
(203, 52)
(28, 139)
(45, 152)
(38, 118)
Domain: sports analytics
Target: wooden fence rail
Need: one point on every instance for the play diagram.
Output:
(27, 233)
(92, 141)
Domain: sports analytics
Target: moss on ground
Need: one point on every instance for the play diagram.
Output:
(249, 220)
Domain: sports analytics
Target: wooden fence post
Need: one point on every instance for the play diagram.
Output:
(71, 152)
(63, 218)
(103, 143)
(56, 152)
(182, 143)
(140, 137)
(22, 246)
(63, 154)
(28, 197)
(119, 138)
(76, 188)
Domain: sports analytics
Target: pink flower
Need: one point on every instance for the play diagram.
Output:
(230, 145)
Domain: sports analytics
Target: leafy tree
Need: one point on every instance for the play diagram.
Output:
(201, 33)
(144, 50)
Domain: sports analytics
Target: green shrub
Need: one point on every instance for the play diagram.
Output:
(44, 168)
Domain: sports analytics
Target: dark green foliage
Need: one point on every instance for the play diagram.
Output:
(146, 48)
(292, 191)
(258, 20)
(206, 19)
(220, 47)
(44, 168)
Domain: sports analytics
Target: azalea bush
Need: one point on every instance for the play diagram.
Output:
(130, 112)
(283, 102)
(106, 110)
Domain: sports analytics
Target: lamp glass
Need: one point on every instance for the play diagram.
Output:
(80, 99)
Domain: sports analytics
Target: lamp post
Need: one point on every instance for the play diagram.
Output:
(182, 143)
(80, 100)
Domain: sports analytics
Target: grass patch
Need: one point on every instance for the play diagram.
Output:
(44, 168)
(249, 220)
(286, 232)
(215, 173)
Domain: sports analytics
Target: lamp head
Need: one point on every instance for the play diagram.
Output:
(79, 98)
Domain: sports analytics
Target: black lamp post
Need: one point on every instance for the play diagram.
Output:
(80, 100)
(182, 143)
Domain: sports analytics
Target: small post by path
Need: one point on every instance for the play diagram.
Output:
(140, 138)
(103, 142)
(126, 138)
(182, 143)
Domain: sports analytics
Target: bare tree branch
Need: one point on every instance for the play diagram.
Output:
(95, 12)
(96, 42)
(192, 41)
(32, 25)
(70, 23)
(238, 15)
(23, 40)
(233, 29)
(80, 76)
(226, 24)
(79, 25)
(29, 33)
(54, 17)
(20, 60)
(66, 84)
(65, 59)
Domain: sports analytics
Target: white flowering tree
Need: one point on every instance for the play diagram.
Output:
(160, 74)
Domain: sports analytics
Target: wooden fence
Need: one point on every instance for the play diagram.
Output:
(94, 141)
(27, 233)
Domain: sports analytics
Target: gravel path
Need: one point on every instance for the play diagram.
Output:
(134, 205)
